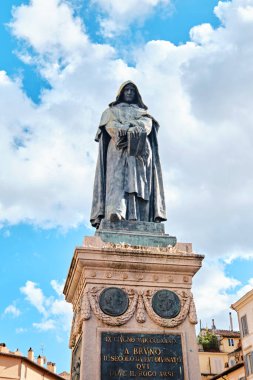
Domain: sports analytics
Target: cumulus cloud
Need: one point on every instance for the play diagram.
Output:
(49, 324)
(117, 15)
(35, 296)
(50, 148)
(213, 287)
(56, 312)
(12, 310)
(63, 32)
(199, 91)
(245, 289)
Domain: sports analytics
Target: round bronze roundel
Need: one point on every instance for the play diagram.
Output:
(166, 304)
(113, 301)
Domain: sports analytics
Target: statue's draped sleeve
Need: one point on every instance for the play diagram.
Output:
(99, 190)
(157, 199)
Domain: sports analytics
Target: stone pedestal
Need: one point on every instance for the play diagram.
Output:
(134, 313)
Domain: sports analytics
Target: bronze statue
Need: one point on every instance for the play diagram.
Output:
(128, 181)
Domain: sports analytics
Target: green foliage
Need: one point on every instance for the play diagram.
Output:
(209, 341)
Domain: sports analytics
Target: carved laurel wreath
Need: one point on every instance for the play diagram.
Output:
(185, 301)
(141, 302)
(93, 296)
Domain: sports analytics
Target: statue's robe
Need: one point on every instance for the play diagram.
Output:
(128, 179)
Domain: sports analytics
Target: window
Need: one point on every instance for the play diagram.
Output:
(217, 365)
(244, 325)
(249, 363)
(231, 342)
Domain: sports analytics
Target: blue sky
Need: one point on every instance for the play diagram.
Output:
(61, 63)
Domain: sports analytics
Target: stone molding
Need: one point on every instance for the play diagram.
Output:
(140, 304)
(128, 264)
(79, 289)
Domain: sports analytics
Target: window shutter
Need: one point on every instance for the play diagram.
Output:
(251, 362)
(246, 365)
(244, 325)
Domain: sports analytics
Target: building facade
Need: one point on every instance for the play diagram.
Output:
(244, 309)
(218, 351)
(15, 366)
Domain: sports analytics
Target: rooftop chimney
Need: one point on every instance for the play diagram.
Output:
(3, 348)
(17, 352)
(30, 354)
(51, 367)
(213, 325)
(40, 360)
(231, 321)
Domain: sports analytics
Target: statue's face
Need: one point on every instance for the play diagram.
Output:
(129, 93)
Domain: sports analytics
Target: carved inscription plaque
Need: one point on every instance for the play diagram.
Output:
(129, 356)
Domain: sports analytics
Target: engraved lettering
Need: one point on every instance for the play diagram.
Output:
(142, 366)
(119, 373)
(166, 373)
(141, 356)
(147, 373)
(147, 351)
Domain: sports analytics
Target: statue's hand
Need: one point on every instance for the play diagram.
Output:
(122, 132)
(121, 141)
(134, 130)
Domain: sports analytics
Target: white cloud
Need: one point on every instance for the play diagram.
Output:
(50, 148)
(214, 293)
(48, 324)
(20, 330)
(35, 296)
(118, 15)
(60, 307)
(245, 289)
(202, 34)
(12, 310)
(56, 312)
(58, 287)
(62, 32)
(213, 287)
(247, 255)
(199, 91)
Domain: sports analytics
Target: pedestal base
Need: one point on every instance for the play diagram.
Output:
(148, 234)
(134, 313)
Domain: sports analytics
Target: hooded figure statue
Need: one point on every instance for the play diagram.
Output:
(128, 180)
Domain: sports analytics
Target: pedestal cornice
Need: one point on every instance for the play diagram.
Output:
(128, 264)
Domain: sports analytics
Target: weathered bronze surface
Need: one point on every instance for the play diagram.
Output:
(135, 233)
(113, 301)
(128, 180)
(141, 356)
(166, 303)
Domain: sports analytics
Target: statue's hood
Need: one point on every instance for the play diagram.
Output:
(119, 97)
